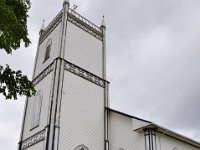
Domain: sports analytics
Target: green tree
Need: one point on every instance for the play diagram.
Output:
(13, 32)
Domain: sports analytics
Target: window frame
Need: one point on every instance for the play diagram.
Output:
(36, 110)
(47, 50)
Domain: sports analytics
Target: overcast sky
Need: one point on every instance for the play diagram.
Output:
(153, 61)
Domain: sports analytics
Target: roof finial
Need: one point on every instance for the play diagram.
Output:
(43, 25)
(66, 2)
(103, 22)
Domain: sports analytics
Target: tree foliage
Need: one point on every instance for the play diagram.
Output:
(13, 83)
(13, 32)
(13, 24)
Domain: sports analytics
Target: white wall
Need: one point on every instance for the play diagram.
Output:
(45, 86)
(121, 134)
(55, 36)
(82, 114)
(167, 143)
(83, 49)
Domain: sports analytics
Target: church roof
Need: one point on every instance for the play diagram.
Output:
(148, 124)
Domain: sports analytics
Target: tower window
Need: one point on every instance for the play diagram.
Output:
(48, 50)
(36, 109)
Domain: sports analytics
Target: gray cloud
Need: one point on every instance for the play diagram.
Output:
(153, 60)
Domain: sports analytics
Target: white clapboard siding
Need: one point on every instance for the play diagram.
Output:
(121, 134)
(82, 114)
(168, 143)
(45, 86)
(83, 49)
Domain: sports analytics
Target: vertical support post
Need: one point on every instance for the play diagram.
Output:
(52, 111)
(103, 29)
(106, 105)
(58, 105)
(63, 28)
(150, 139)
(61, 73)
(54, 121)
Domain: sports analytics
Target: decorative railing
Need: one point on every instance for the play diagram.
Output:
(78, 16)
(94, 29)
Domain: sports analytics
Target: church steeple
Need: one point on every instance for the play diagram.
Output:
(70, 78)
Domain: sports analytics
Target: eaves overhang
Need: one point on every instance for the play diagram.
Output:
(167, 132)
(145, 124)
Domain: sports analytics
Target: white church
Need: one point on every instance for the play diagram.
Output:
(70, 110)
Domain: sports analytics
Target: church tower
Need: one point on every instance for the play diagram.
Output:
(68, 111)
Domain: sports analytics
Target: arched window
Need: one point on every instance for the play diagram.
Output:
(48, 50)
(36, 109)
(81, 147)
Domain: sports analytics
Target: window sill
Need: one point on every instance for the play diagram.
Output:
(33, 128)
(45, 60)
